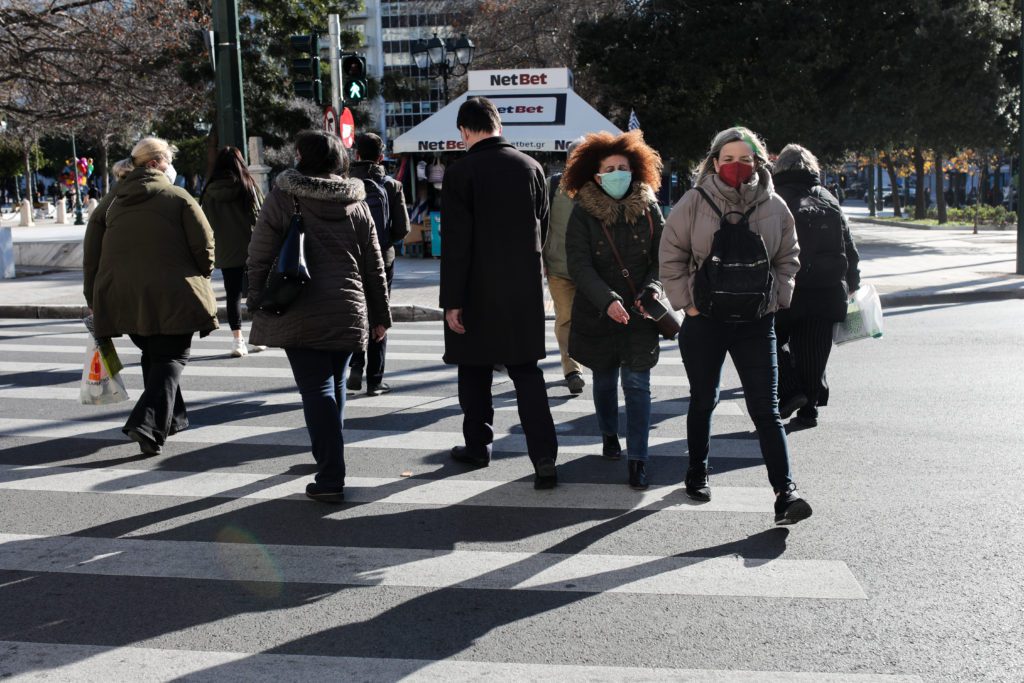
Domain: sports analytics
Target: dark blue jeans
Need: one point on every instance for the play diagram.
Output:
(704, 343)
(372, 360)
(320, 376)
(636, 386)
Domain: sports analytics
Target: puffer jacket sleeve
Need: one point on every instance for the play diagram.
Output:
(92, 245)
(675, 255)
(397, 212)
(785, 260)
(651, 279)
(265, 243)
(199, 235)
(580, 259)
(375, 283)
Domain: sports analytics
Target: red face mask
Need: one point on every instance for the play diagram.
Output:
(735, 173)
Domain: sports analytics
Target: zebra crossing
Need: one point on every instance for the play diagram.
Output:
(208, 563)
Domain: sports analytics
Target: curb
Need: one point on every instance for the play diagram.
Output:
(899, 300)
(986, 227)
(400, 313)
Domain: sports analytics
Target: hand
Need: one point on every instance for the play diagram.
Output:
(379, 332)
(453, 316)
(617, 313)
(692, 311)
(640, 307)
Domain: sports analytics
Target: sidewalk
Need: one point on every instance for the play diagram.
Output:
(909, 267)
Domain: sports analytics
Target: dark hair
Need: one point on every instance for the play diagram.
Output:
(369, 146)
(585, 160)
(320, 152)
(230, 165)
(478, 115)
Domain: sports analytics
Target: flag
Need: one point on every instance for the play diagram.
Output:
(634, 122)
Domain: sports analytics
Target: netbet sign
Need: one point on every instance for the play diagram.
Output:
(520, 79)
(531, 110)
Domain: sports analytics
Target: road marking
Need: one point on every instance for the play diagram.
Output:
(416, 440)
(432, 568)
(453, 490)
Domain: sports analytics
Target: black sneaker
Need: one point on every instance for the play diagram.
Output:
(790, 508)
(355, 380)
(638, 475)
(147, 445)
(576, 382)
(378, 389)
(324, 494)
(464, 455)
(546, 476)
(697, 486)
(610, 448)
(790, 405)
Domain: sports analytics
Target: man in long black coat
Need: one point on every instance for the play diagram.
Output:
(494, 202)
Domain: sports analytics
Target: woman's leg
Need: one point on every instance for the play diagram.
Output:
(703, 346)
(606, 400)
(164, 358)
(812, 345)
(637, 388)
(318, 375)
(233, 298)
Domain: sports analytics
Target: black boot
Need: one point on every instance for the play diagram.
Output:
(638, 475)
(697, 486)
(546, 476)
(611, 449)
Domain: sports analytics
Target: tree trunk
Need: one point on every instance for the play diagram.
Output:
(105, 160)
(940, 195)
(920, 207)
(871, 185)
(29, 190)
(891, 170)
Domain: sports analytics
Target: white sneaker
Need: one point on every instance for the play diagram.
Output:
(238, 348)
(256, 348)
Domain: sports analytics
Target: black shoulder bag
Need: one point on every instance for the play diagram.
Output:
(288, 274)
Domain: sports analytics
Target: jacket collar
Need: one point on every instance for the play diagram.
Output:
(601, 206)
(797, 176)
(333, 189)
(749, 194)
(367, 169)
(489, 143)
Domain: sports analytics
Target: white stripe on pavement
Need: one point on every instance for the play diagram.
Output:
(416, 440)
(473, 569)
(23, 661)
(399, 491)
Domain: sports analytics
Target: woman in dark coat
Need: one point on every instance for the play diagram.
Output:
(828, 275)
(347, 289)
(613, 179)
(147, 264)
(231, 201)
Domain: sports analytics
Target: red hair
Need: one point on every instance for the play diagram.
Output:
(585, 160)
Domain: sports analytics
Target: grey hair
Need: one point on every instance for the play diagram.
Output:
(570, 146)
(794, 157)
(736, 134)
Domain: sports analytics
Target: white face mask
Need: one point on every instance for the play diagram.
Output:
(171, 174)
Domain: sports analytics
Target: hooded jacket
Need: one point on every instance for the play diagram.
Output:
(691, 227)
(397, 213)
(347, 289)
(232, 214)
(148, 256)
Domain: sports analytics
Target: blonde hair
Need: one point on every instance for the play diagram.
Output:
(149, 149)
(736, 134)
(121, 169)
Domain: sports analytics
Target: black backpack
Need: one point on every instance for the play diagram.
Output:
(380, 209)
(734, 284)
(819, 227)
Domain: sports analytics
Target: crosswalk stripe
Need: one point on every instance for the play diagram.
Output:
(53, 662)
(396, 401)
(399, 491)
(408, 567)
(417, 440)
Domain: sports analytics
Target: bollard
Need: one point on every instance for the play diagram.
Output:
(62, 212)
(260, 172)
(26, 214)
(92, 205)
(6, 254)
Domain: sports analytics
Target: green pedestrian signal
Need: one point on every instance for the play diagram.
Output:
(353, 75)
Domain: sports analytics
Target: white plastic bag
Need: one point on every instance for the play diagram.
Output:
(863, 317)
(99, 387)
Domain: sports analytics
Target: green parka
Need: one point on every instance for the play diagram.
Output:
(232, 215)
(148, 256)
(595, 340)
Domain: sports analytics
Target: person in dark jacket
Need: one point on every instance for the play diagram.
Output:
(231, 201)
(828, 275)
(148, 256)
(347, 292)
(495, 202)
(614, 179)
(369, 154)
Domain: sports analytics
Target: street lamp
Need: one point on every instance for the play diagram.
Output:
(448, 57)
(203, 127)
(79, 220)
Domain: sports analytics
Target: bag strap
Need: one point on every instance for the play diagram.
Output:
(708, 200)
(295, 203)
(618, 259)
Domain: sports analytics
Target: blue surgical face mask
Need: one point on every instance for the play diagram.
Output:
(616, 183)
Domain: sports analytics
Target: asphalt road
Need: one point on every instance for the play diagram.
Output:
(207, 563)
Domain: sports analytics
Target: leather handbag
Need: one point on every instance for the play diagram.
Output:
(288, 274)
(667, 320)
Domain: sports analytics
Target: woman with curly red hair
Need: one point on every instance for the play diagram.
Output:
(611, 248)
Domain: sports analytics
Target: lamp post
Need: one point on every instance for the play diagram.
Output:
(78, 188)
(448, 57)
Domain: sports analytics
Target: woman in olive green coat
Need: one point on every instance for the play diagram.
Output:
(231, 201)
(147, 265)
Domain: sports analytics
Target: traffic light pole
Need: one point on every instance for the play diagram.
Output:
(334, 29)
(1020, 161)
(230, 104)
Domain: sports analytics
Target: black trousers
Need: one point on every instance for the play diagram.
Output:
(234, 285)
(531, 399)
(372, 360)
(160, 410)
(804, 348)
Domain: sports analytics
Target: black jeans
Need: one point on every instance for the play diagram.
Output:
(531, 399)
(320, 376)
(373, 358)
(234, 285)
(804, 347)
(160, 410)
(704, 343)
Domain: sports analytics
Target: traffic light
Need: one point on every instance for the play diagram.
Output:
(306, 70)
(353, 78)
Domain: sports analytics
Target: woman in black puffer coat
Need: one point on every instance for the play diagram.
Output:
(828, 275)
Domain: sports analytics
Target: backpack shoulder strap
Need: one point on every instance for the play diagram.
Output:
(708, 200)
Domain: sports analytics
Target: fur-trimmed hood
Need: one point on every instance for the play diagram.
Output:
(601, 206)
(333, 189)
